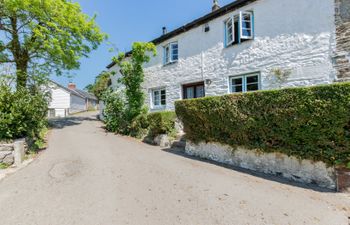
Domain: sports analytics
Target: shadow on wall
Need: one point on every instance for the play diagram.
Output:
(60, 123)
(278, 179)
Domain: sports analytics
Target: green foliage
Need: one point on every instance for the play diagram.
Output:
(50, 36)
(4, 166)
(133, 77)
(161, 123)
(22, 113)
(102, 82)
(114, 111)
(309, 123)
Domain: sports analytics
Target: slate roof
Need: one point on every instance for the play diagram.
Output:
(77, 92)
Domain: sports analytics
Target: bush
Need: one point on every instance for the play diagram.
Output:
(309, 123)
(22, 113)
(114, 111)
(161, 123)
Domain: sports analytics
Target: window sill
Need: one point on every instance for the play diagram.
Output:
(170, 63)
(158, 107)
(237, 44)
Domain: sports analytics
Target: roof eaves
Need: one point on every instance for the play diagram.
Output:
(198, 22)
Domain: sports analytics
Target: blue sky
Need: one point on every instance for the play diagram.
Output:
(132, 20)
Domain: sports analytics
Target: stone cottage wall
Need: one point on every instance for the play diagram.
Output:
(342, 56)
(298, 35)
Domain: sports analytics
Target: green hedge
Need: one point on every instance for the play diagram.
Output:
(161, 123)
(22, 113)
(309, 123)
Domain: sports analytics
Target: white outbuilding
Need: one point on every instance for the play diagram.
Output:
(69, 100)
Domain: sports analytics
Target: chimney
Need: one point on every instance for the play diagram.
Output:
(72, 86)
(165, 31)
(216, 5)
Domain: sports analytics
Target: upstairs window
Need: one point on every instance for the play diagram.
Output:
(171, 53)
(239, 28)
(159, 98)
(245, 83)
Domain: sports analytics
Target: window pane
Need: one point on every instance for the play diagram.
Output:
(163, 97)
(246, 24)
(156, 98)
(229, 31)
(252, 87)
(190, 92)
(200, 91)
(237, 81)
(238, 88)
(253, 79)
(167, 54)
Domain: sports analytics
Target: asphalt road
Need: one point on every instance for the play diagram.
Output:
(88, 177)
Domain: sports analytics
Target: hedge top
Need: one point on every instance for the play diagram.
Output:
(309, 123)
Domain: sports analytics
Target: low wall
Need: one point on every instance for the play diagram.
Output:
(304, 171)
(13, 153)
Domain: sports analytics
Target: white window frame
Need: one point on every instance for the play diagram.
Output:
(241, 35)
(153, 93)
(251, 21)
(168, 58)
(231, 19)
(244, 82)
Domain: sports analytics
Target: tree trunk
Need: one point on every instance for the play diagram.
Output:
(21, 74)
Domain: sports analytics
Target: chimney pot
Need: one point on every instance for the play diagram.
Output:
(216, 5)
(72, 86)
(165, 31)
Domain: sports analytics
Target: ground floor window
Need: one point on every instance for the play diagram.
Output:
(159, 98)
(245, 83)
(196, 90)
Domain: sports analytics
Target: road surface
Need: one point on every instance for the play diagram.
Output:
(89, 177)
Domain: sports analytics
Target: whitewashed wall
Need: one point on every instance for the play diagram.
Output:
(60, 101)
(297, 35)
(77, 104)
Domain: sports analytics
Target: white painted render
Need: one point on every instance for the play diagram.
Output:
(296, 35)
(64, 102)
(77, 104)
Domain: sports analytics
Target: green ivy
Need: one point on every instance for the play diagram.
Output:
(308, 123)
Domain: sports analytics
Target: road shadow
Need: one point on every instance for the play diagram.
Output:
(274, 178)
(60, 123)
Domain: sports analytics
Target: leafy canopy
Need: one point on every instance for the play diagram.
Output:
(49, 35)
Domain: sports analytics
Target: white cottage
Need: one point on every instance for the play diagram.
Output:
(70, 100)
(245, 46)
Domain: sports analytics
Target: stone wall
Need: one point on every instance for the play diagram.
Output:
(296, 35)
(13, 153)
(304, 171)
(6, 154)
(342, 55)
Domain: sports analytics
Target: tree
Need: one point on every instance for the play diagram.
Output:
(45, 35)
(133, 76)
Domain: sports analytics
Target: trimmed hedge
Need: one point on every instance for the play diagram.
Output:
(161, 123)
(308, 123)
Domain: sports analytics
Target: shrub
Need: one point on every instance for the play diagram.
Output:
(309, 123)
(114, 111)
(22, 113)
(161, 123)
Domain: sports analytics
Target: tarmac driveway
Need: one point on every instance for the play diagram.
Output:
(89, 177)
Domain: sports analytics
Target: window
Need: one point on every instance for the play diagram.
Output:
(239, 28)
(159, 98)
(171, 53)
(245, 83)
(196, 90)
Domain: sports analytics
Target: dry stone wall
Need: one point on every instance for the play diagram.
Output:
(13, 153)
